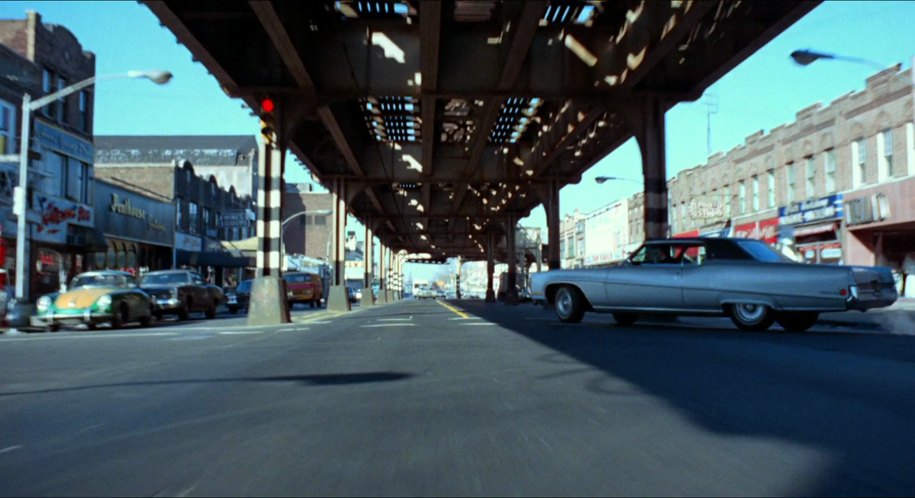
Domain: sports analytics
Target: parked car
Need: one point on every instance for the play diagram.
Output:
(180, 292)
(302, 287)
(96, 297)
(742, 278)
(239, 297)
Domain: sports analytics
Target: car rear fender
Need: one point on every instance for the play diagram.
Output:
(725, 302)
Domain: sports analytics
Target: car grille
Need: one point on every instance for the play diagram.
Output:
(162, 294)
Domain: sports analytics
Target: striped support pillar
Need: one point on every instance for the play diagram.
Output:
(511, 294)
(269, 210)
(552, 226)
(490, 268)
(339, 277)
(650, 136)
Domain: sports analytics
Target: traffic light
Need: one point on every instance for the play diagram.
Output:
(268, 132)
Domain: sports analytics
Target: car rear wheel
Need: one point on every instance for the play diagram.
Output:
(569, 304)
(798, 321)
(146, 320)
(625, 318)
(752, 317)
(211, 311)
(233, 309)
(54, 327)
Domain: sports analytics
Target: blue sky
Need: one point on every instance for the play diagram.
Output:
(764, 91)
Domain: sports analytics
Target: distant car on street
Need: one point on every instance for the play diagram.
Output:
(424, 292)
(240, 297)
(302, 287)
(742, 278)
(355, 295)
(180, 292)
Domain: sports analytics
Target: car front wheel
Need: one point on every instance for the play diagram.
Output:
(752, 317)
(570, 304)
(798, 321)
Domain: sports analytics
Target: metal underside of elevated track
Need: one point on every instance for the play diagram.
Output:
(444, 118)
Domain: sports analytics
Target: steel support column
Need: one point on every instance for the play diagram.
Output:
(648, 121)
(490, 268)
(511, 294)
(338, 298)
(457, 279)
(368, 251)
(552, 226)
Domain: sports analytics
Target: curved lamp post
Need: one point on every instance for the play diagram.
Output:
(806, 57)
(322, 212)
(20, 203)
(602, 179)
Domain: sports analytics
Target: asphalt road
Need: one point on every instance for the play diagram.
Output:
(420, 398)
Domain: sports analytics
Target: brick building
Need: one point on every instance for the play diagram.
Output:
(208, 213)
(307, 234)
(60, 197)
(837, 183)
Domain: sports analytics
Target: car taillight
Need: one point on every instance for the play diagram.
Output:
(843, 292)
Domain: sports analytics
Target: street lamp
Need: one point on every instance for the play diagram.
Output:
(602, 179)
(806, 57)
(320, 212)
(20, 204)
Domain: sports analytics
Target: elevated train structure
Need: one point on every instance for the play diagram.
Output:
(439, 124)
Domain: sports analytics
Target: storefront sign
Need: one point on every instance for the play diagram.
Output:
(824, 208)
(701, 209)
(55, 214)
(62, 141)
(189, 243)
(233, 219)
(123, 207)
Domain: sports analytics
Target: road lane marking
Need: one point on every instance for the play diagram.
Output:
(87, 336)
(453, 309)
(376, 325)
(242, 332)
(11, 448)
(477, 324)
(467, 318)
(395, 319)
(294, 329)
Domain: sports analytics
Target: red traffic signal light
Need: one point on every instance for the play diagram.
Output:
(267, 105)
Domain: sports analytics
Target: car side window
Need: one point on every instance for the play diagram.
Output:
(196, 279)
(655, 254)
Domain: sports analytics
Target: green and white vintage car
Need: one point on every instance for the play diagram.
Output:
(96, 297)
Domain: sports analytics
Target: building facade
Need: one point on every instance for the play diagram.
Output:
(308, 231)
(836, 184)
(61, 150)
(207, 214)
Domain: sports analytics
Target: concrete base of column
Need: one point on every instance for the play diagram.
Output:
(512, 297)
(490, 296)
(368, 297)
(268, 305)
(382, 297)
(338, 298)
(389, 296)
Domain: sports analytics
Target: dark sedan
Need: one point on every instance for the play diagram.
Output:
(239, 298)
(179, 292)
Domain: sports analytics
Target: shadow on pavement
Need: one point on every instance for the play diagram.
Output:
(307, 380)
(849, 396)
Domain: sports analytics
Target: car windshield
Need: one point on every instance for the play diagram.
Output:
(296, 278)
(164, 278)
(761, 252)
(103, 280)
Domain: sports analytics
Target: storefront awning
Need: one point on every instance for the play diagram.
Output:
(806, 231)
(95, 240)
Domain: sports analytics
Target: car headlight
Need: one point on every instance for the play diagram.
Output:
(44, 302)
(104, 301)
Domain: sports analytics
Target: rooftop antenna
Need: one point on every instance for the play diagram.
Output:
(711, 107)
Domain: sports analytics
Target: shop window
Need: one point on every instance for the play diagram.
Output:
(830, 167)
(886, 159)
(84, 116)
(62, 114)
(859, 162)
(100, 260)
(7, 128)
(741, 197)
(77, 175)
(810, 184)
(755, 194)
(789, 183)
(55, 167)
(770, 192)
(47, 87)
(192, 221)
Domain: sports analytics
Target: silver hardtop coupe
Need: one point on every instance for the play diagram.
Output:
(741, 278)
